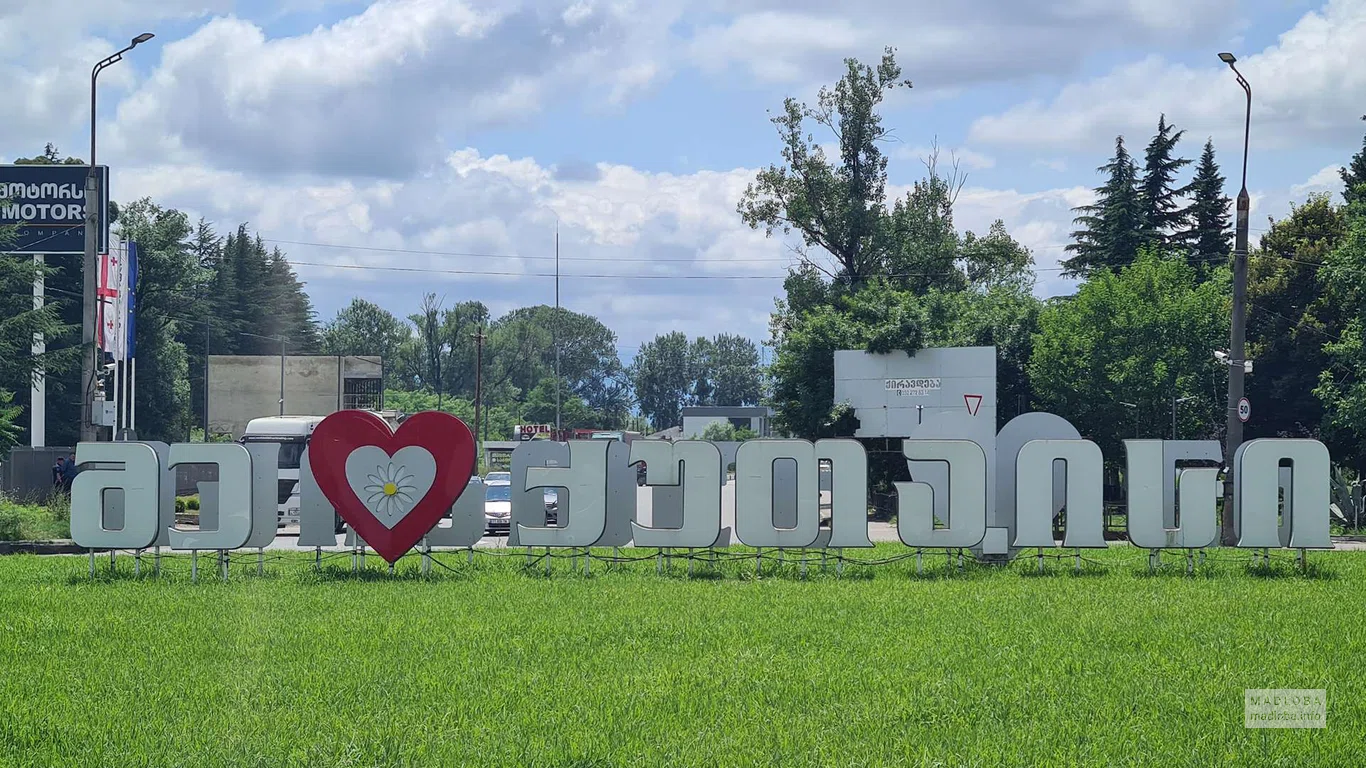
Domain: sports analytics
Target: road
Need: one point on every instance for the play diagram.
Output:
(876, 531)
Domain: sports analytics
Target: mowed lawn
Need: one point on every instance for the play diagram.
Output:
(496, 665)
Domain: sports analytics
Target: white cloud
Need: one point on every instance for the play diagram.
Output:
(941, 45)
(1326, 180)
(373, 94)
(1306, 87)
(967, 159)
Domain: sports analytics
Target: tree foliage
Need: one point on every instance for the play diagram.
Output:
(1140, 335)
(1342, 385)
(1207, 237)
(838, 206)
(1163, 216)
(1112, 228)
(1354, 175)
(1290, 319)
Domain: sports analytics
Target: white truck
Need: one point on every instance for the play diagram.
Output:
(293, 433)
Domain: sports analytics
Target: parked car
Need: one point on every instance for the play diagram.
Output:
(552, 505)
(497, 507)
(498, 477)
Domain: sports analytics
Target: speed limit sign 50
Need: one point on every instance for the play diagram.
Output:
(1244, 410)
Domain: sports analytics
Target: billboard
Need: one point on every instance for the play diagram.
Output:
(46, 205)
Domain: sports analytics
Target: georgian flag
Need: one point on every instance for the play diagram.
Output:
(118, 279)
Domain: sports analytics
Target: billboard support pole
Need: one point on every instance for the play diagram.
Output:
(37, 431)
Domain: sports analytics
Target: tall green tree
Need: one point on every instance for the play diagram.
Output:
(168, 315)
(364, 328)
(838, 206)
(1354, 175)
(1291, 319)
(1207, 237)
(459, 325)
(1163, 215)
(663, 374)
(1112, 227)
(1141, 335)
(924, 247)
(1342, 385)
(730, 363)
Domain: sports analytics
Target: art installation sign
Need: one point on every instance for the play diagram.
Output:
(396, 489)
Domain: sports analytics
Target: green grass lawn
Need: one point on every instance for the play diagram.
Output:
(35, 522)
(496, 665)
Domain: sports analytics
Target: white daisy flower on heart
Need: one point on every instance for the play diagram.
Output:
(391, 491)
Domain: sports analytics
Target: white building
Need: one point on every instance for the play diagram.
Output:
(696, 419)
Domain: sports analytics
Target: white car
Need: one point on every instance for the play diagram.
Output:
(497, 507)
(498, 477)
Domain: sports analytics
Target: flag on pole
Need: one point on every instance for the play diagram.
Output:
(115, 309)
(108, 294)
(130, 293)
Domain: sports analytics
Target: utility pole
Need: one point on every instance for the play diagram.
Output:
(478, 384)
(554, 328)
(1237, 325)
(282, 375)
(207, 323)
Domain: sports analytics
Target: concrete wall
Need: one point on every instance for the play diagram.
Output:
(694, 426)
(964, 381)
(246, 387)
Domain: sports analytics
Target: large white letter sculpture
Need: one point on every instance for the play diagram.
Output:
(848, 491)
(1257, 491)
(700, 478)
(1085, 493)
(1146, 476)
(139, 478)
(234, 495)
(754, 524)
(585, 520)
(967, 516)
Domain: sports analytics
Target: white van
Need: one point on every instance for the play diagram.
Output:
(293, 433)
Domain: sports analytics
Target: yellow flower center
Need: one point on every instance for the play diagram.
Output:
(390, 489)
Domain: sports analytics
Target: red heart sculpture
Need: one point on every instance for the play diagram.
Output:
(443, 436)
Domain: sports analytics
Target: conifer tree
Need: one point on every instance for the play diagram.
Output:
(1111, 228)
(1206, 237)
(1354, 175)
(1163, 214)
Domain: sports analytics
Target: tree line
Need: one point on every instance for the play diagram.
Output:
(202, 293)
(1130, 351)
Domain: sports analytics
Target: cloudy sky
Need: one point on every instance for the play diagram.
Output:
(438, 142)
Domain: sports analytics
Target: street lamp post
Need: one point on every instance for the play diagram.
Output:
(89, 263)
(1237, 326)
(1135, 407)
(1175, 402)
(555, 338)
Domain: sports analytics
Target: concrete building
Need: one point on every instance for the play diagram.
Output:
(696, 419)
(245, 387)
